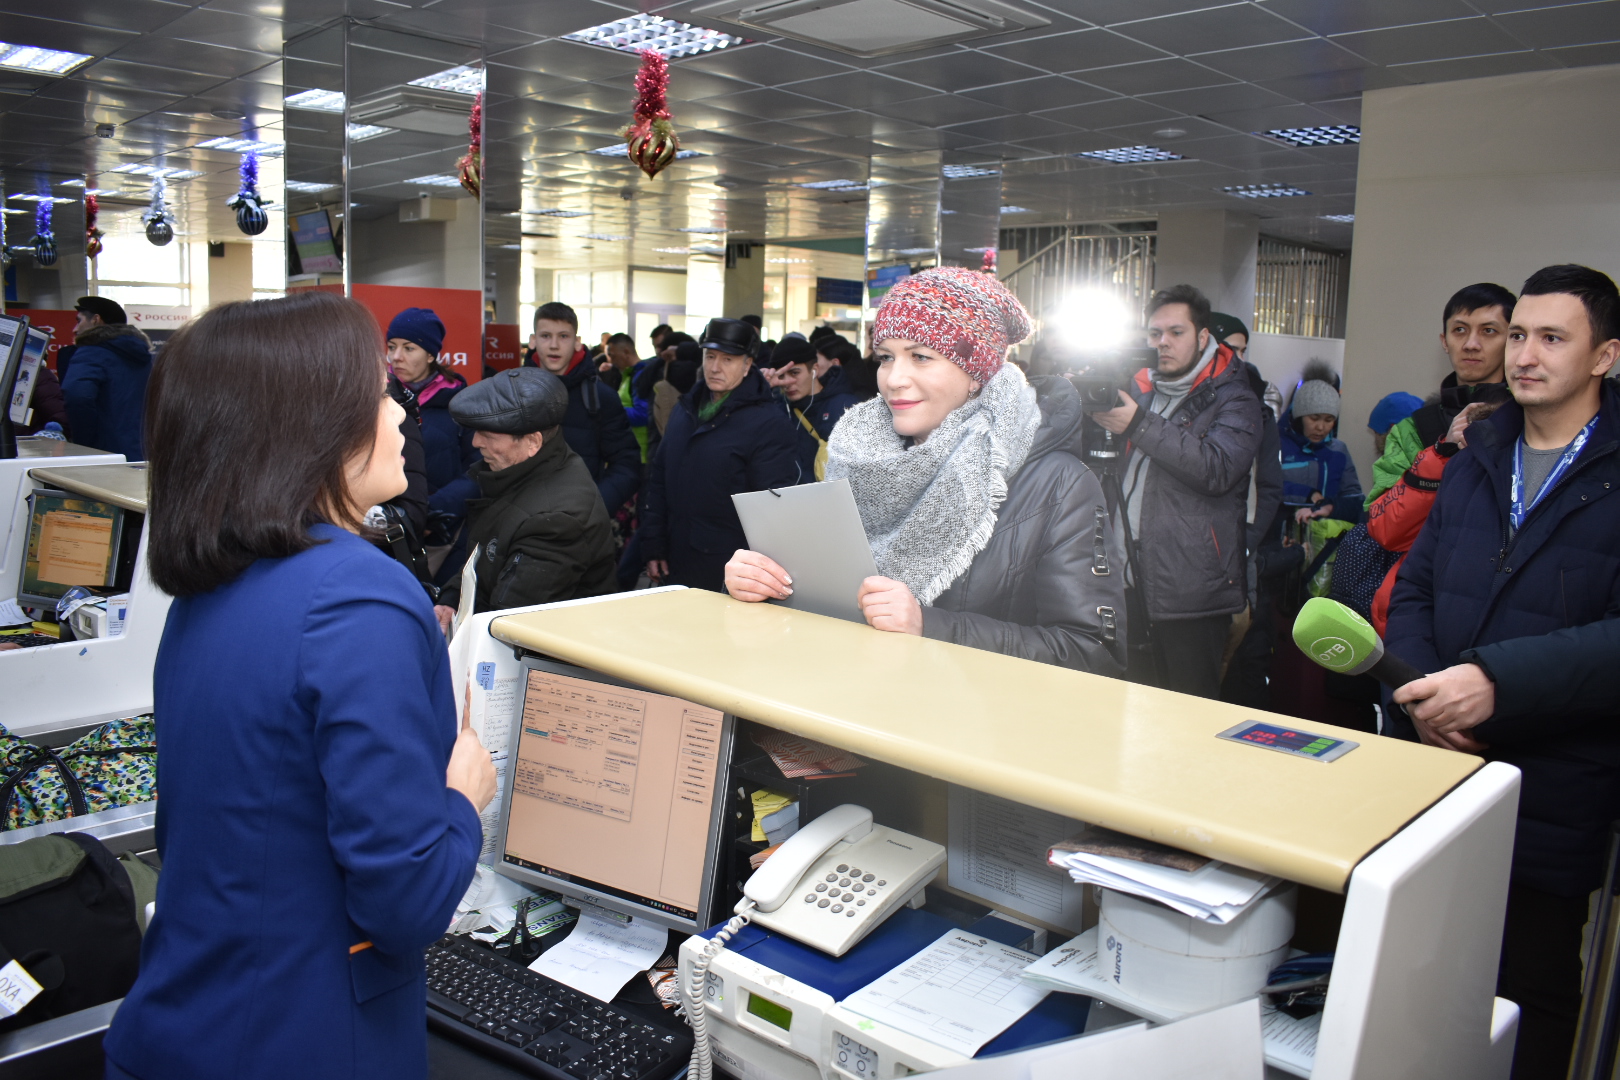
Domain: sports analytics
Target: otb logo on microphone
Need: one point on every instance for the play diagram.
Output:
(1333, 652)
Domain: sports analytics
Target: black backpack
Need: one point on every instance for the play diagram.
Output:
(71, 915)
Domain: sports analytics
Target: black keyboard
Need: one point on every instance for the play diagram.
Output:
(537, 1024)
(29, 641)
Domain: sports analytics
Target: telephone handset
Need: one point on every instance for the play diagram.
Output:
(836, 880)
(829, 885)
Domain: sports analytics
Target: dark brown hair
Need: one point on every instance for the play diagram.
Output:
(253, 411)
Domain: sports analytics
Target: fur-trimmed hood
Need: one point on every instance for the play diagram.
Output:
(101, 335)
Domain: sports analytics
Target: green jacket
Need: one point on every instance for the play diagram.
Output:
(540, 533)
(1401, 448)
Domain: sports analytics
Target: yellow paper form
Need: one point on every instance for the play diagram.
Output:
(74, 548)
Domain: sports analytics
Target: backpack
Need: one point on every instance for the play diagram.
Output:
(71, 916)
(114, 764)
(1326, 536)
(821, 446)
(1359, 570)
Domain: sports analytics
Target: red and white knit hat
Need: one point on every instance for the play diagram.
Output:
(962, 314)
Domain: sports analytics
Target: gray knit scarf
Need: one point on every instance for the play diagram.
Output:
(929, 509)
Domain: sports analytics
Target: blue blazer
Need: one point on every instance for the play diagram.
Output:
(305, 720)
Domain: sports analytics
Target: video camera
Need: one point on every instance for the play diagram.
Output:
(1100, 376)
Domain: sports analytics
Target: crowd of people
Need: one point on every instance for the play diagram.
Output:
(1483, 550)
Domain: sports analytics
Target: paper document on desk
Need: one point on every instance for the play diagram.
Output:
(1222, 1044)
(1214, 892)
(603, 953)
(960, 992)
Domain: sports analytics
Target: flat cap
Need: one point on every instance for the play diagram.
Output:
(513, 402)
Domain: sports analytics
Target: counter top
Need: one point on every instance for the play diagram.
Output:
(1134, 758)
(32, 447)
(122, 485)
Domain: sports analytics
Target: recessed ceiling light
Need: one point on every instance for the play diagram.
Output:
(1130, 155)
(441, 180)
(621, 149)
(604, 236)
(40, 61)
(157, 172)
(1016, 210)
(41, 198)
(559, 213)
(316, 101)
(511, 247)
(87, 190)
(304, 187)
(649, 33)
(836, 185)
(245, 146)
(362, 132)
(673, 251)
(1334, 135)
(1170, 133)
(1342, 219)
(15, 210)
(1265, 191)
(944, 212)
(458, 80)
(965, 172)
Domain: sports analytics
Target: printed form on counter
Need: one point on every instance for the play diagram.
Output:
(603, 953)
(960, 992)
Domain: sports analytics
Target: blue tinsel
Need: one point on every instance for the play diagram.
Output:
(250, 174)
(42, 219)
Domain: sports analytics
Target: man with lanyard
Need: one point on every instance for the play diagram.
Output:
(1523, 542)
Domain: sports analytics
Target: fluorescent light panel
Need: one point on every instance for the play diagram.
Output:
(20, 197)
(604, 236)
(1016, 210)
(649, 33)
(1342, 219)
(40, 61)
(1265, 191)
(362, 132)
(836, 185)
(328, 101)
(304, 187)
(620, 149)
(1130, 155)
(559, 213)
(245, 146)
(458, 80)
(1333, 135)
(157, 172)
(701, 229)
(441, 180)
(966, 172)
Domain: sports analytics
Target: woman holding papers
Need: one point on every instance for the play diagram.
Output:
(986, 529)
(319, 817)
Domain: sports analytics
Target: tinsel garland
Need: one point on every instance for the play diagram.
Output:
(44, 238)
(247, 202)
(650, 138)
(471, 166)
(159, 222)
(92, 235)
(988, 263)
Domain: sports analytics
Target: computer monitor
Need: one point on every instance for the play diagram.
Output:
(20, 401)
(72, 540)
(315, 243)
(13, 332)
(613, 795)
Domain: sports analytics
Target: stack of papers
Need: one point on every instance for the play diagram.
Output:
(776, 817)
(806, 759)
(1202, 888)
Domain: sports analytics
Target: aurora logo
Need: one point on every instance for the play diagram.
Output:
(1116, 947)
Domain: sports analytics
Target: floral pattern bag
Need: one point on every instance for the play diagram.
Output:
(114, 764)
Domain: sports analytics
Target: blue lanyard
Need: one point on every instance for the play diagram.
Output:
(1517, 510)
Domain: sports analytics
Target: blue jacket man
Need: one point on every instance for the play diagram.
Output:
(1523, 541)
(105, 389)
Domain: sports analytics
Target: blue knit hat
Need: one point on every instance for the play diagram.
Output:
(420, 326)
(1392, 410)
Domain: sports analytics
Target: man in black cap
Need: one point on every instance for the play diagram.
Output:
(104, 379)
(539, 532)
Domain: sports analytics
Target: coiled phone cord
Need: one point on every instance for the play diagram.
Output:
(702, 1067)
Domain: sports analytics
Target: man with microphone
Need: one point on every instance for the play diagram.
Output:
(1523, 542)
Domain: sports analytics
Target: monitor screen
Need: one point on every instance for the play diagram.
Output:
(71, 541)
(613, 795)
(317, 248)
(22, 391)
(12, 333)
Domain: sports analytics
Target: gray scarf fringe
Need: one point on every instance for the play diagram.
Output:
(929, 509)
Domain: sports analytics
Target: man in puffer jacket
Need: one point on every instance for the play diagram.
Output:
(105, 389)
(1523, 540)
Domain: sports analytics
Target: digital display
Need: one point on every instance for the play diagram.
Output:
(1290, 741)
(770, 1011)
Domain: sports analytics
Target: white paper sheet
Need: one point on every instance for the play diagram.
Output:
(997, 852)
(602, 954)
(960, 992)
(1215, 892)
(1223, 1044)
(11, 614)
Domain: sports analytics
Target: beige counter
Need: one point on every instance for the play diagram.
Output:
(1133, 758)
(121, 485)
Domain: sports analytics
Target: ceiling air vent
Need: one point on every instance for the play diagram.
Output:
(415, 108)
(876, 27)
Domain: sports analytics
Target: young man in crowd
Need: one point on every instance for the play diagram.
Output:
(619, 370)
(538, 533)
(1194, 428)
(1523, 540)
(814, 408)
(596, 426)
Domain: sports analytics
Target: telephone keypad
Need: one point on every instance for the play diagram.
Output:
(857, 887)
(843, 883)
(842, 868)
(866, 877)
(821, 886)
(837, 908)
(810, 898)
(824, 902)
(858, 903)
(832, 877)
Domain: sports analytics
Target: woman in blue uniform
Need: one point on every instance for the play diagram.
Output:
(318, 817)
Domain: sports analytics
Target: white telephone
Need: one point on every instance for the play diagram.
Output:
(829, 885)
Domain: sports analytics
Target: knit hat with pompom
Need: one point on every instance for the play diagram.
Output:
(964, 315)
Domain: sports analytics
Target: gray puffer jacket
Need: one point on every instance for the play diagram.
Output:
(1050, 584)
(1190, 554)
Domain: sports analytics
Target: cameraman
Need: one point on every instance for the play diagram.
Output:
(1194, 428)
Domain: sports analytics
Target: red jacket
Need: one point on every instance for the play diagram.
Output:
(1397, 516)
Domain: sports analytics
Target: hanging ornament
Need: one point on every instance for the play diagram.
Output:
(651, 137)
(44, 239)
(247, 202)
(471, 165)
(159, 222)
(988, 263)
(92, 235)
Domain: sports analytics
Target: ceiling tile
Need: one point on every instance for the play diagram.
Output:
(1072, 142)
(1110, 12)
(690, 84)
(202, 59)
(1338, 17)
(1077, 51)
(228, 29)
(1218, 98)
(1477, 67)
(1013, 128)
(1154, 76)
(1326, 85)
(1578, 24)
(144, 77)
(941, 111)
(511, 82)
(1107, 114)
(1192, 127)
(769, 104)
(1430, 41)
(1265, 63)
(961, 70)
(73, 37)
(1046, 92)
(839, 123)
(1282, 116)
(135, 15)
(861, 90)
(766, 65)
(1211, 29)
(1584, 55)
(572, 59)
(1497, 7)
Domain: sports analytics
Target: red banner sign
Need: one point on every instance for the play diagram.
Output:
(502, 345)
(58, 324)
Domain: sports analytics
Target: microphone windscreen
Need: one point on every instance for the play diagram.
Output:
(1336, 637)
